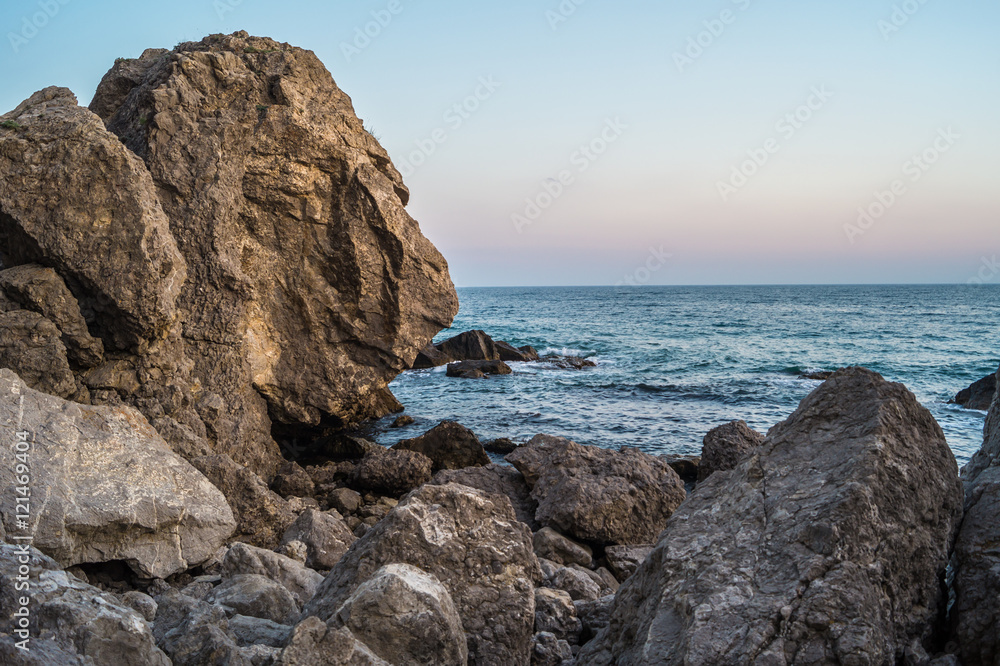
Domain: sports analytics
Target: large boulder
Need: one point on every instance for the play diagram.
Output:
(406, 617)
(32, 347)
(473, 545)
(724, 447)
(69, 622)
(827, 545)
(232, 235)
(255, 595)
(449, 445)
(300, 581)
(469, 346)
(392, 471)
(194, 632)
(494, 479)
(597, 495)
(325, 536)
(313, 643)
(104, 486)
(976, 612)
(979, 395)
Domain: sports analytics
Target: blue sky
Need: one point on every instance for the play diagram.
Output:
(606, 137)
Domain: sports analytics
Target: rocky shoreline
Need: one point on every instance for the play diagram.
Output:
(209, 276)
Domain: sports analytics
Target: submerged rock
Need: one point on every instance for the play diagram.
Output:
(596, 495)
(976, 612)
(477, 369)
(105, 486)
(473, 545)
(724, 447)
(828, 545)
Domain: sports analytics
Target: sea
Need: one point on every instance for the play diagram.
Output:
(675, 362)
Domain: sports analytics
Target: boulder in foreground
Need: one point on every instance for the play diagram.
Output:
(473, 545)
(597, 495)
(104, 486)
(828, 545)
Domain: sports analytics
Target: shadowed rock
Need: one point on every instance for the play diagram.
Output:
(449, 445)
(724, 447)
(827, 545)
(979, 395)
(597, 495)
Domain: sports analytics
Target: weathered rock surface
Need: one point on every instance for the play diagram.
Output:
(726, 446)
(258, 631)
(449, 445)
(106, 486)
(597, 495)
(555, 613)
(979, 395)
(70, 621)
(469, 346)
(324, 534)
(262, 516)
(293, 481)
(299, 580)
(473, 544)
(256, 596)
(624, 560)
(976, 612)
(32, 347)
(477, 369)
(392, 471)
(406, 617)
(313, 643)
(193, 632)
(41, 290)
(555, 547)
(835, 535)
(232, 234)
(548, 650)
(496, 479)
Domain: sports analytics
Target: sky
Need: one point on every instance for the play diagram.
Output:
(589, 142)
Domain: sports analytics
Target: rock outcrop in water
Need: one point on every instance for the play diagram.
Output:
(979, 395)
(976, 613)
(828, 545)
(233, 238)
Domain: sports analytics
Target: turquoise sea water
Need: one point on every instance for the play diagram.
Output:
(674, 362)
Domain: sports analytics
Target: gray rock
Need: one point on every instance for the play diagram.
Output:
(555, 547)
(261, 655)
(32, 347)
(193, 632)
(624, 560)
(496, 479)
(110, 487)
(41, 290)
(548, 650)
(449, 445)
(555, 613)
(292, 481)
(262, 515)
(826, 546)
(976, 612)
(256, 596)
(344, 500)
(726, 446)
(70, 621)
(258, 631)
(476, 548)
(301, 581)
(406, 617)
(325, 535)
(597, 495)
(594, 615)
(313, 643)
(141, 603)
(577, 583)
(393, 472)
